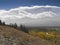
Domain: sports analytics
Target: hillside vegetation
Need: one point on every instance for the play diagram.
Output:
(12, 36)
(52, 35)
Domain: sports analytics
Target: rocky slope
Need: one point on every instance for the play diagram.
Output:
(11, 36)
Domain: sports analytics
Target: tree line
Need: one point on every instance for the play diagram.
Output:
(21, 27)
(2, 23)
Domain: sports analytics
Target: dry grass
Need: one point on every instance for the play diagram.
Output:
(11, 36)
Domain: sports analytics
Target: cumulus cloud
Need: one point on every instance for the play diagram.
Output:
(32, 14)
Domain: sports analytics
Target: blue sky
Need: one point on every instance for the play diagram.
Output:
(39, 12)
(7, 4)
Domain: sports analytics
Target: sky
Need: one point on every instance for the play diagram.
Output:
(30, 12)
(8, 4)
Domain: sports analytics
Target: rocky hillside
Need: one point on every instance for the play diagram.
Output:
(11, 36)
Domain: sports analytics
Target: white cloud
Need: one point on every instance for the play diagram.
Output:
(33, 13)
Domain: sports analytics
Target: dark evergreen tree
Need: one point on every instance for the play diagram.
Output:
(3, 23)
(23, 28)
(15, 25)
(0, 22)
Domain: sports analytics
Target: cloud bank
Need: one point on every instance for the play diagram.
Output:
(34, 15)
